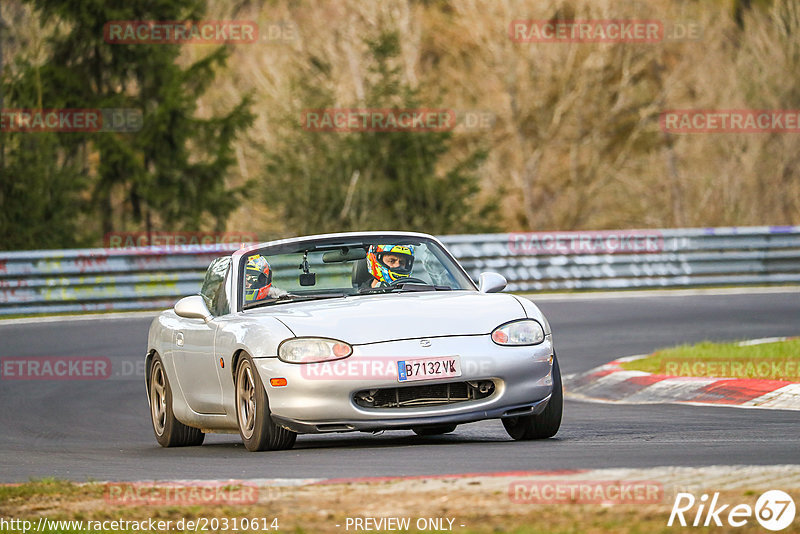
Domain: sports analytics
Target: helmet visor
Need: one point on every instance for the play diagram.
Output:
(396, 262)
(255, 279)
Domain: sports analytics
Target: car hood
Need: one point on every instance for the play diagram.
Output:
(374, 318)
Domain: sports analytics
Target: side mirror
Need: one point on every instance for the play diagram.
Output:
(492, 282)
(193, 307)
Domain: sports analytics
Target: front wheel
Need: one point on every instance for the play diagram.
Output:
(169, 431)
(258, 431)
(547, 423)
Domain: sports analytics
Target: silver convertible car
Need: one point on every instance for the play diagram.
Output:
(364, 331)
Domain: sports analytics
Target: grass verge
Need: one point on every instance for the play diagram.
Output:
(477, 506)
(778, 360)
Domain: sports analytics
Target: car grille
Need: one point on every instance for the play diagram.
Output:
(424, 395)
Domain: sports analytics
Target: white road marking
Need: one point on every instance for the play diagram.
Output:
(113, 316)
(600, 295)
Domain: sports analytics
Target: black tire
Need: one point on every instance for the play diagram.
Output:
(256, 427)
(433, 430)
(168, 430)
(546, 424)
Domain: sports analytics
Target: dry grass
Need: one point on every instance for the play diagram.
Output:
(481, 506)
(576, 141)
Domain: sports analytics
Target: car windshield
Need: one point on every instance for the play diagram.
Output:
(325, 269)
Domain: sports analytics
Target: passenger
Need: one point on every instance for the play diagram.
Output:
(258, 279)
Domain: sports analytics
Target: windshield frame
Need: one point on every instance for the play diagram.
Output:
(287, 246)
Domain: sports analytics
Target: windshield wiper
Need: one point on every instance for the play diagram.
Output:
(403, 287)
(288, 297)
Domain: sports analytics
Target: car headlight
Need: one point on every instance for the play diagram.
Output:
(522, 332)
(313, 350)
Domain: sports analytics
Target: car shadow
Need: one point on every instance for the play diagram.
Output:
(360, 440)
(388, 440)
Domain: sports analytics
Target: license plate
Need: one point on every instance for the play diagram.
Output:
(428, 368)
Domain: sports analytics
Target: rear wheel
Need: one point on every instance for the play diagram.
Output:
(434, 430)
(168, 430)
(547, 423)
(258, 431)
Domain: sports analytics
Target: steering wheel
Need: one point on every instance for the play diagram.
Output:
(407, 279)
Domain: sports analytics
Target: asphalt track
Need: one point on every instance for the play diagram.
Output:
(99, 429)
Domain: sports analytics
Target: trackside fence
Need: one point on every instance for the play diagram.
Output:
(55, 281)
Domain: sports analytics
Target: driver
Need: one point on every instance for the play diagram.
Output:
(387, 263)
(257, 279)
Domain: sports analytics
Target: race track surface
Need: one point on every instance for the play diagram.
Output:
(100, 429)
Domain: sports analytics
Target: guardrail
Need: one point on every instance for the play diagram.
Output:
(56, 281)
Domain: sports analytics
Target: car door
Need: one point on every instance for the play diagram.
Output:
(195, 356)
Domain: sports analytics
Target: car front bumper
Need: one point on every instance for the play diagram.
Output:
(320, 397)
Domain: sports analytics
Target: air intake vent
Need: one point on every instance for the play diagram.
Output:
(424, 395)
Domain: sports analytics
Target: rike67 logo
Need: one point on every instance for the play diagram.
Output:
(774, 510)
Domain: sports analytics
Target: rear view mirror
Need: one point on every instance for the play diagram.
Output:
(344, 254)
(308, 279)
